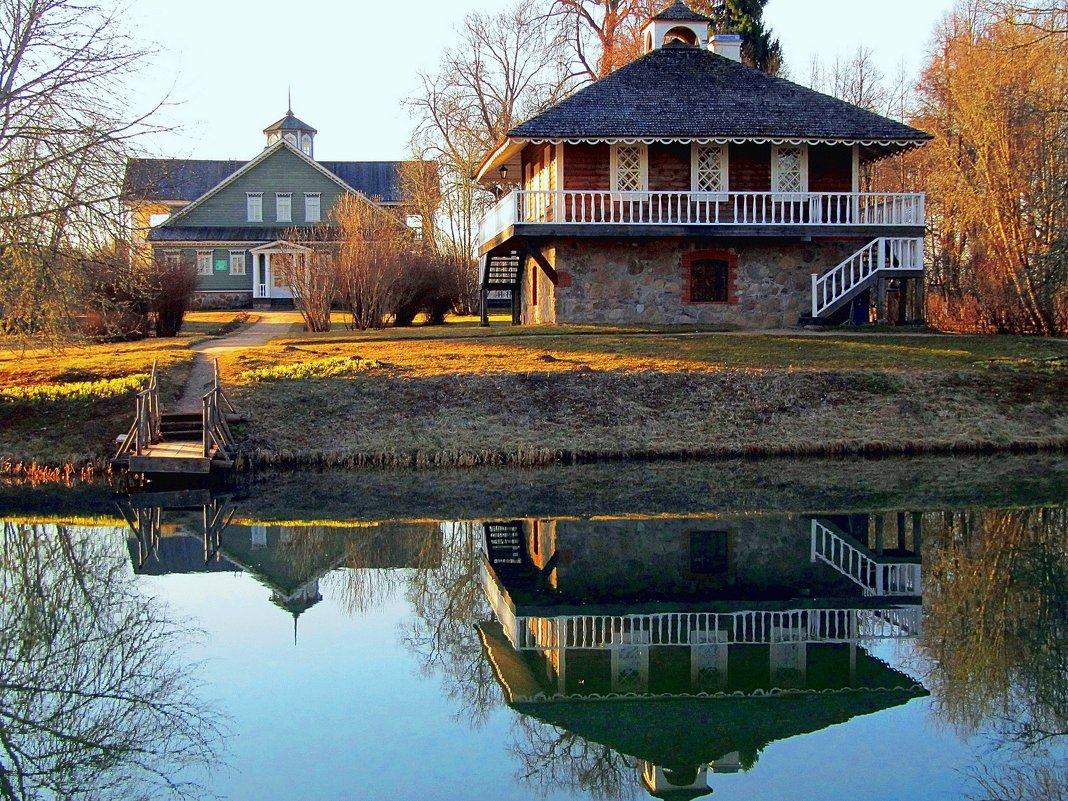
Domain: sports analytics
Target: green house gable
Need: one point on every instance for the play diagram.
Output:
(282, 171)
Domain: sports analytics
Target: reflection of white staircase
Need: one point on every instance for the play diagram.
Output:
(885, 257)
(877, 576)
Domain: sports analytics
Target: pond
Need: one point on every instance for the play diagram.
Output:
(805, 630)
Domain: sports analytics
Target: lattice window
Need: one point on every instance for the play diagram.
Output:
(710, 172)
(629, 173)
(789, 170)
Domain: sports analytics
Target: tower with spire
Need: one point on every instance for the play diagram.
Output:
(298, 133)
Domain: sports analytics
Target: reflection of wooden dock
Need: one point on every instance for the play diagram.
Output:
(178, 444)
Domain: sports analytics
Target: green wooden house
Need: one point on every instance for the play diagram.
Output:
(234, 220)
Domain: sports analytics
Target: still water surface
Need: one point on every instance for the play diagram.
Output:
(880, 649)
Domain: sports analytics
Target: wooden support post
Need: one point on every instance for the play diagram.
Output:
(917, 301)
(917, 532)
(483, 303)
(880, 303)
(902, 301)
(901, 530)
(517, 292)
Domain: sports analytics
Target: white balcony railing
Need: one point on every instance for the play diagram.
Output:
(583, 207)
(876, 577)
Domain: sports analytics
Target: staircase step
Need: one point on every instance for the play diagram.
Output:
(181, 417)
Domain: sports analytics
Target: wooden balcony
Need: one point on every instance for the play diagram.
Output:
(783, 214)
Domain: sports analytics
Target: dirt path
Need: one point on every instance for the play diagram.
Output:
(270, 325)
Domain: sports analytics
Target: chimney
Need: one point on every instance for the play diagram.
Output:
(728, 45)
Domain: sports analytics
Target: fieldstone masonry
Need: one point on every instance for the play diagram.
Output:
(642, 282)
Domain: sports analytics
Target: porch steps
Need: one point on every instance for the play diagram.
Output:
(507, 555)
(883, 257)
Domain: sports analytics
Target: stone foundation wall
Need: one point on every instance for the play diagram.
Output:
(641, 281)
(203, 301)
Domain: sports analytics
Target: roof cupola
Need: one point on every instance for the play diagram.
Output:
(676, 23)
(292, 130)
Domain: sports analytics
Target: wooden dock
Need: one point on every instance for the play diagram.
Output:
(178, 444)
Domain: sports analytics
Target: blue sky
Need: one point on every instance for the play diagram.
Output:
(226, 64)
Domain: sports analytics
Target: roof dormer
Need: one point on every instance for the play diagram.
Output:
(297, 133)
(676, 23)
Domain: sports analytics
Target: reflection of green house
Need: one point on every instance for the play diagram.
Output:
(733, 637)
(289, 559)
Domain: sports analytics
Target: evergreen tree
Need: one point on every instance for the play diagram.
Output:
(745, 17)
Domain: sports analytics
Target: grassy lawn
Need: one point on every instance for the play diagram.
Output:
(460, 394)
(80, 419)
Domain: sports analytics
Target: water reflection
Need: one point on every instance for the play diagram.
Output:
(685, 646)
(96, 699)
(655, 656)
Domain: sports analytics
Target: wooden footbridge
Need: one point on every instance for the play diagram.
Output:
(179, 443)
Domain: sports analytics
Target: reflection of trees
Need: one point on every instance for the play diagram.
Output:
(379, 559)
(448, 602)
(996, 627)
(1032, 780)
(555, 759)
(95, 699)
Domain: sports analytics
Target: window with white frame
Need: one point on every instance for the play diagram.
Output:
(237, 262)
(172, 258)
(710, 168)
(283, 206)
(788, 169)
(204, 262)
(630, 168)
(305, 144)
(311, 207)
(254, 204)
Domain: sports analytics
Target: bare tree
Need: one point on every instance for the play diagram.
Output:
(96, 700)
(66, 128)
(993, 94)
(311, 272)
(601, 36)
(507, 66)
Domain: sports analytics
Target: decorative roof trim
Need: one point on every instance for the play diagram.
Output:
(721, 140)
(267, 153)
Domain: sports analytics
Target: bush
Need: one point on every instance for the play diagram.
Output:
(172, 286)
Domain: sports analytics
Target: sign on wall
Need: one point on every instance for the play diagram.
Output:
(222, 265)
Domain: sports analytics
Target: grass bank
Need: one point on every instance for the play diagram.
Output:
(460, 395)
(61, 408)
(463, 396)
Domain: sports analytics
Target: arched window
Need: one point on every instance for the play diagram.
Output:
(681, 34)
(305, 145)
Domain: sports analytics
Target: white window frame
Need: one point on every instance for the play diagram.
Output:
(306, 144)
(254, 206)
(172, 257)
(614, 163)
(318, 196)
(278, 196)
(237, 263)
(775, 170)
(205, 260)
(724, 169)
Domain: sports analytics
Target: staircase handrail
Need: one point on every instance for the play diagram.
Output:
(881, 255)
(216, 431)
(147, 424)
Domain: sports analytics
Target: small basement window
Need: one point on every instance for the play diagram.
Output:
(710, 279)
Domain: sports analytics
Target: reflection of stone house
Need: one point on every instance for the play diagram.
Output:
(686, 187)
(232, 219)
(700, 641)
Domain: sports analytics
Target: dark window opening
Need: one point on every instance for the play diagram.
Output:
(709, 280)
(708, 553)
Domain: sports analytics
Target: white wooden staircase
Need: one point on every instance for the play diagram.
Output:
(885, 257)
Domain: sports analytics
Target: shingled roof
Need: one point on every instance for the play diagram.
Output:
(289, 123)
(188, 179)
(680, 91)
(680, 12)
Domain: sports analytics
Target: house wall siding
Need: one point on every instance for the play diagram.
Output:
(587, 167)
(669, 168)
(641, 281)
(282, 172)
(218, 281)
(830, 168)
